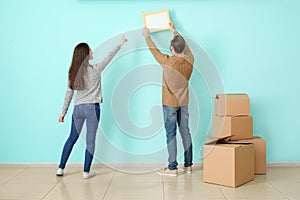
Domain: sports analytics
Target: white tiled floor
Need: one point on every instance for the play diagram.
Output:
(22, 183)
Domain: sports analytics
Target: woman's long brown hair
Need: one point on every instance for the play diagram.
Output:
(79, 64)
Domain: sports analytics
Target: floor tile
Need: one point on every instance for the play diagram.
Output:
(288, 189)
(23, 183)
(257, 189)
(67, 191)
(7, 173)
(37, 175)
(125, 191)
(286, 180)
(291, 191)
(283, 174)
(25, 191)
(191, 191)
(151, 177)
(143, 169)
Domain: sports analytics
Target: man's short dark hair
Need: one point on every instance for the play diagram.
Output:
(178, 44)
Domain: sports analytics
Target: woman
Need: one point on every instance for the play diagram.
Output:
(86, 80)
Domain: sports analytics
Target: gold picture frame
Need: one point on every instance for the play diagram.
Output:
(157, 20)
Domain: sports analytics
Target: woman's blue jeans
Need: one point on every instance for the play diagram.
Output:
(172, 117)
(91, 114)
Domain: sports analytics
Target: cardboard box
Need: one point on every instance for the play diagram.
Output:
(239, 127)
(228, 164)
(260, 160)
(232, 104)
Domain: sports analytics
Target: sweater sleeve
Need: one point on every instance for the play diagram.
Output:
(68, 98)
(161, 58)
(101, 66)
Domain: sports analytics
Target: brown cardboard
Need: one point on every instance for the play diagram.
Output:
(228, 164)
(232, 104)
(214, 140)
(259, 153)
(239, 127)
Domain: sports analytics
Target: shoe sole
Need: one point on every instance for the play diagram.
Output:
(162, 174)
(59, 174)
(90, 176)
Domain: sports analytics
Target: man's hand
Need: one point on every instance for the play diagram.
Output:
(172, 28)
(122, 41)
(146, 32)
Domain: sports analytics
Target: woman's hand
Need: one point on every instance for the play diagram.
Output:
(61, 118)
(122, 41)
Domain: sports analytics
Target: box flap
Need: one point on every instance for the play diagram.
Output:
(235, 142)
(244, 141)
(256, 137)
(214, 140)
(232, 96)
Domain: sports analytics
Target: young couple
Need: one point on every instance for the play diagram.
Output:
(85, 79)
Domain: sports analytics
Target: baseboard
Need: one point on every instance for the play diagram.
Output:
(283, 164)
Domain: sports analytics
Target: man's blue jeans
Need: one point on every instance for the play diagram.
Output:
(180, 116)
(82, 112)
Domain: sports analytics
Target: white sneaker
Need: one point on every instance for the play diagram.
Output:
(87, 175)
(59, 172)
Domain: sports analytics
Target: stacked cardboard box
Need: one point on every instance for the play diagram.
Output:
(232, 116)
(259, 153)
(228, 164)
(232, 156)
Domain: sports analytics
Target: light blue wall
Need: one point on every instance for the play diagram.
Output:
(254, 45)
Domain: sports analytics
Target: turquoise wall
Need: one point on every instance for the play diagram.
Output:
(254, 46)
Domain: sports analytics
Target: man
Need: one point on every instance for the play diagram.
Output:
(177, 70)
